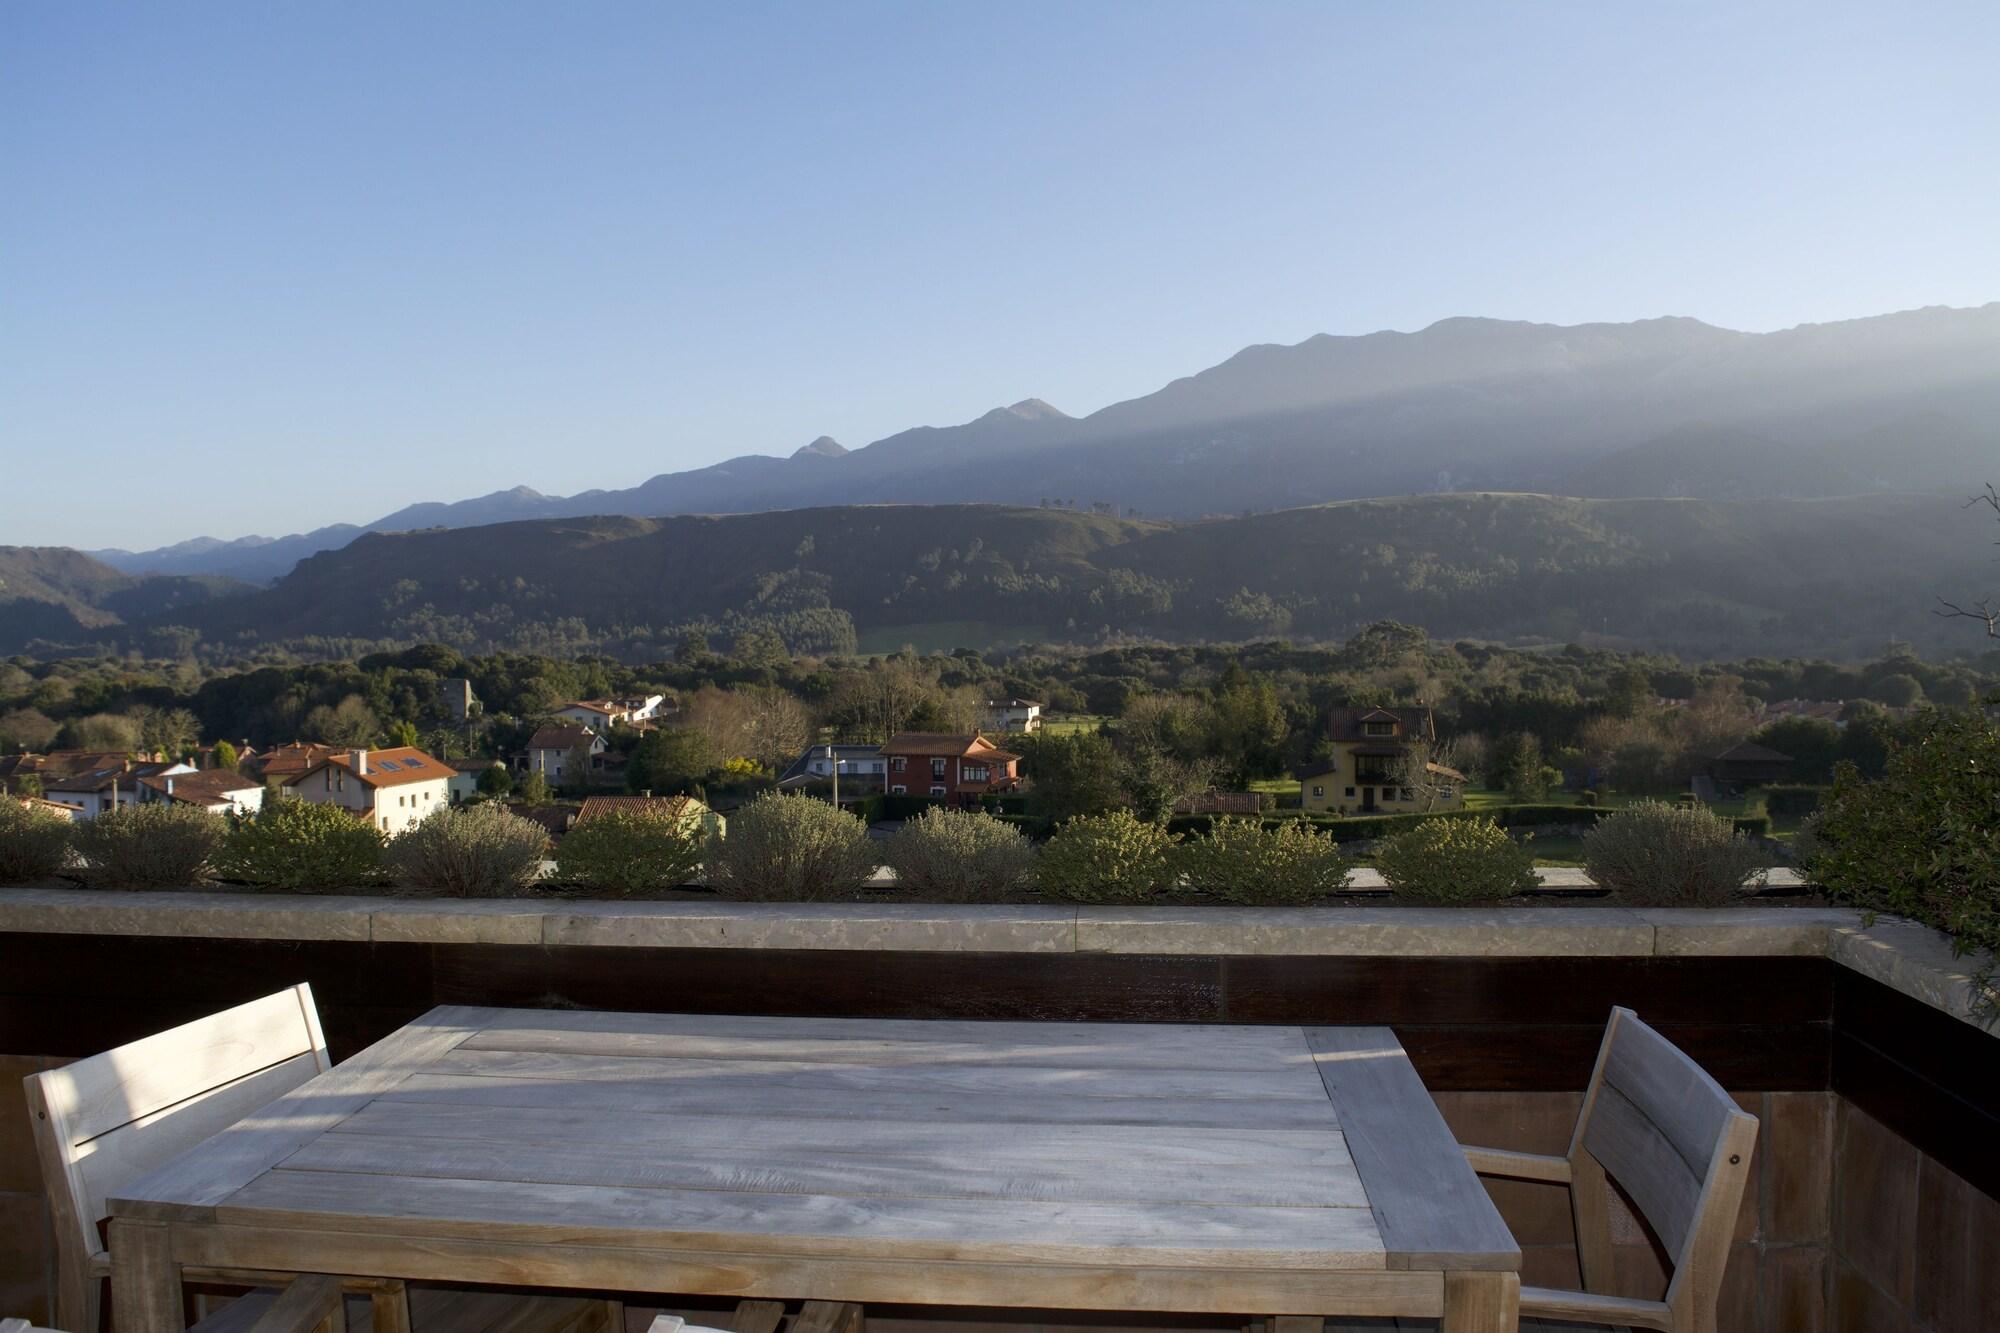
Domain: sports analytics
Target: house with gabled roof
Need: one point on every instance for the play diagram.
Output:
(220, 791)
(955, 768)
(1371, 753)
(553, 752)
(391, 789)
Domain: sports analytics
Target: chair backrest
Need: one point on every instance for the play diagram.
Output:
(1676, 1143)
(108, 1119)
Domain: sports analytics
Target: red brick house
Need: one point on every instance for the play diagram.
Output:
(959, 769)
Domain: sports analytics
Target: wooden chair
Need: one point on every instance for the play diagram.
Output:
(1679, 1146)
(103, 1121)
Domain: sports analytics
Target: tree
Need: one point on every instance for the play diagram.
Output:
(672, 759)
(100, 731)
(351, 723)
(1070, 775)
(26, 729)
(169, 732)
(1898, 690)
(403, 732)
(534, 789)
(1417, 770)
(225, 755)
(495, 781)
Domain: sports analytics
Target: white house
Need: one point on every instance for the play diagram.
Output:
(392, 789)
(96, 790)
(465, 775)
(220, 791)
(1013, 715)
(601, 715)
(550, 751)
(862, 768)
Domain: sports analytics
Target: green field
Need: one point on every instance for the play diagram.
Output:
(941, 636)
(1071, 724)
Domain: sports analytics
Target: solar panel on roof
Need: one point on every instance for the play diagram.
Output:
(413, 763)
(387, 765)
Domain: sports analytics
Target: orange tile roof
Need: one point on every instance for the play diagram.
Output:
(386, 768)
(673, 807)
(935, 743)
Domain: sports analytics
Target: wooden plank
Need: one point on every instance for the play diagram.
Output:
(1481, 1303)
(752, 1079)
(758, 1317)
(668, 1097)
(1674, 1093)
(965, 1171)
(828, 1317)
(157, 1072)
(1629, 1146)
(892, 1041)
(1011, 1231)
(1586, 1307)
(188, 1185)
(109, 1161)
(1168, 1145)
(145, 1280)
(304, 1305)
(1431, 1208)
(1133, 1285)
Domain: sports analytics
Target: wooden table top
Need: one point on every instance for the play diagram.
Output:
(1096, 1145)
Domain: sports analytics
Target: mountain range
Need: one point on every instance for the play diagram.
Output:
(1906, 402)
(1700, 578)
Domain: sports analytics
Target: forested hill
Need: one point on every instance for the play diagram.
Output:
(1700, 578)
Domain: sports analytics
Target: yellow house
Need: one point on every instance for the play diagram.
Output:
(1380, 765)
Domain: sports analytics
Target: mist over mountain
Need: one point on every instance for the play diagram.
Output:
(1661, 407)
(1699, 578)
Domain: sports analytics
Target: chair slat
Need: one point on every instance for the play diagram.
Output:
(1673, 1092)
(1640, 1157)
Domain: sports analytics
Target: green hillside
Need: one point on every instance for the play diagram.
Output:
(1702, 578)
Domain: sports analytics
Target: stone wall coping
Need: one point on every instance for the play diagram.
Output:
(1906, 956)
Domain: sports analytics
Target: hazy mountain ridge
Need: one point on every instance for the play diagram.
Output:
(1465, 404)
(1702, 578)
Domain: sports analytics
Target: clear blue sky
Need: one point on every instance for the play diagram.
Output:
(265, 266)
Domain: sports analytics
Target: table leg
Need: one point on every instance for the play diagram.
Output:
(1481, 1303)
(145, 1280)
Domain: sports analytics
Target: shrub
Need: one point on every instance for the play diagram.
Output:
(1670, 855)
(34, 843)
(1241, 861)
(473, 850)
(1921, 841)
(629, 851)
(790, 849)
(1456, 861)
(295, 844)
(1109, 858)
(956, 856)
(1792, 801)
(148, 846)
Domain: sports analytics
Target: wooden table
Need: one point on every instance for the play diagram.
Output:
(1266, 1171)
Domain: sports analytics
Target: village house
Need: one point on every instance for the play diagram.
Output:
(391, 789)
(1380, 764)
(686, 811)
(282, 763)
(553, 752)
(953, 768)
(1213, 802)
(220, 791)
(863, 770)
(465, 775)
(90, 794)
(601, 715)
(1016, 715)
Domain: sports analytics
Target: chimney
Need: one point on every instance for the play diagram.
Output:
(358, 760)
(170, 786)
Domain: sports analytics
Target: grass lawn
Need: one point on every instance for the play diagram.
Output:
(1071, 724)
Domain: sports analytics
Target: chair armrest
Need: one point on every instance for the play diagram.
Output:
(308, 1302)
(1548, 1303)
(1518, 1165)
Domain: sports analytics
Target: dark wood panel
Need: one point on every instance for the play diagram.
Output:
(1498, 991)
(1929, 1044)
(1550, 1058)
(835, 983)
(1960, 1135)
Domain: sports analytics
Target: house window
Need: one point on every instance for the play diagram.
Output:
(981, 774)
(898, 764)
(937, 791)
(899, 790)
(937, 769)
(1319, 792)
(1378, 728)
(1350, 791)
